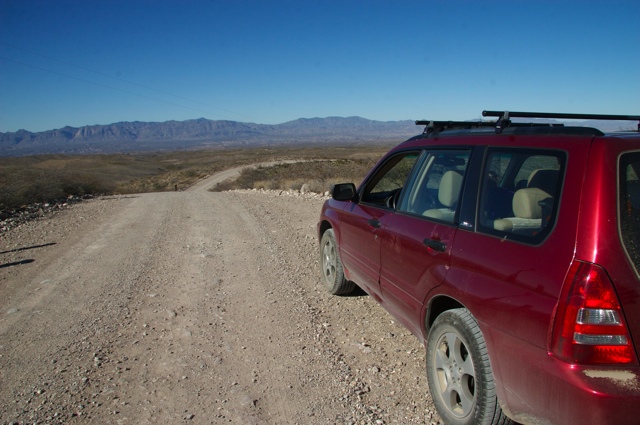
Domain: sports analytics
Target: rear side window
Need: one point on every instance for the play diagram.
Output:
(520, 193)
(629, 196)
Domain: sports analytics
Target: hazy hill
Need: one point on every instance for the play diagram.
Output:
(140, 136)
(201, 133)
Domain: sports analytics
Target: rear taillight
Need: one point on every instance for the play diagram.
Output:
(589, 327)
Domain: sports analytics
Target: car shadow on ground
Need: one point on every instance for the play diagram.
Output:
(17, 263)
(28, 247)
(357, 292)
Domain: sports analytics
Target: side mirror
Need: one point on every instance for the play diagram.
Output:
(344, 192)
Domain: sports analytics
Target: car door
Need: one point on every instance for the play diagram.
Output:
(416, 242)
(362, 222)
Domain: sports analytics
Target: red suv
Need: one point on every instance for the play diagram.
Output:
(512, 251)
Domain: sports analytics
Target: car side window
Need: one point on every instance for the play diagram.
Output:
(384, 187)
(629, 208)
(435, 190)
(520, 193)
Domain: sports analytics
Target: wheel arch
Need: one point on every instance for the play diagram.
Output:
(329, 219)
(323, 227)
(438, 305)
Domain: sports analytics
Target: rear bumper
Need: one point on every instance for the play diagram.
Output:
(536, 388)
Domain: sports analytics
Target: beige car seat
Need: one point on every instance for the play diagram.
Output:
(527, 210)
(448, 194)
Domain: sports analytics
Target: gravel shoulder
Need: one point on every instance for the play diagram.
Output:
(194, 307)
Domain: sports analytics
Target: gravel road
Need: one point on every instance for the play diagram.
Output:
(194, 307)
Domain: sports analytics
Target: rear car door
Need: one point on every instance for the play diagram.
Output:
(417, 239)
(509, 272)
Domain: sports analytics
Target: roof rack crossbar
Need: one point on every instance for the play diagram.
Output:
(505, 115)
(438, 126)
(512, 114)
(504, 120)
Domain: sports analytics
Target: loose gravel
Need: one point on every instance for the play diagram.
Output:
(193, 307)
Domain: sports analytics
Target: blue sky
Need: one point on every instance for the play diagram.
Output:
(97, 62)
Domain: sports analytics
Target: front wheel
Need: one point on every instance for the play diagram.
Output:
(459, 374)
(331, 266)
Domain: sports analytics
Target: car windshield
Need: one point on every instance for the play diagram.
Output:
(629, 195)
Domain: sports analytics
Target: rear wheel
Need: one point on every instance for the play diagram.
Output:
(331, 266)
(460, 378)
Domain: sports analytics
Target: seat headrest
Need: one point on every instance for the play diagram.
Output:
(544, 179)
(525, 202)
(449, 189)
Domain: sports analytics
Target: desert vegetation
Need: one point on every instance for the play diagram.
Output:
(50, 178)
(313, 175)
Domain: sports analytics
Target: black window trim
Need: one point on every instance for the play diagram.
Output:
(619, 195)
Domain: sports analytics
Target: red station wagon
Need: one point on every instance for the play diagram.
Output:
(511, 250)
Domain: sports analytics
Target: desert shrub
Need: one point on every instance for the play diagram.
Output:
(317, 175)
(27, 186)
(84, 184)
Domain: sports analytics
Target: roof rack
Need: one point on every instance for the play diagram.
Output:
(504, 121)
(504, 117)
(438, 126)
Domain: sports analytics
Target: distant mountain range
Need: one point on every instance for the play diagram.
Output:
(203, 133)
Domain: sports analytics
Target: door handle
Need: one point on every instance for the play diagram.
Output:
(437, 245)
(374, 223)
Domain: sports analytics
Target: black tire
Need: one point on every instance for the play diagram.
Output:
(459, 374)
(331, 266)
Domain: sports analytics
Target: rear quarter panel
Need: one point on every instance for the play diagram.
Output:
(599, 239)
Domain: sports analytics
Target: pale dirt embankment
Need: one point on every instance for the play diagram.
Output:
(193, 307)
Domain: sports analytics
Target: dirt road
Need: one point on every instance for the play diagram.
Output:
(193, 307)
